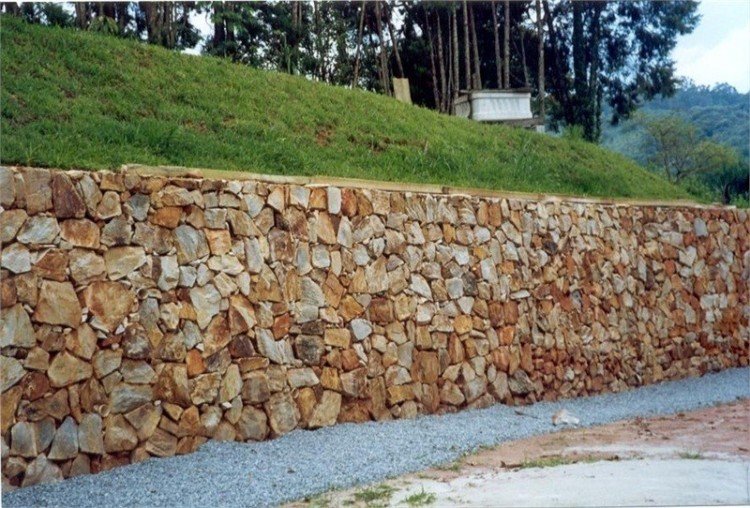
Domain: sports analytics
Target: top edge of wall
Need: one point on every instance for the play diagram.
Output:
(356, 183)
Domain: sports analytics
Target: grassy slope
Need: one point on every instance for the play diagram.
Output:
(72, 99)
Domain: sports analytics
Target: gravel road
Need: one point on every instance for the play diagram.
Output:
(304, 463)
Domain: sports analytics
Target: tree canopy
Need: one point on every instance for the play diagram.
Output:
(598, 54)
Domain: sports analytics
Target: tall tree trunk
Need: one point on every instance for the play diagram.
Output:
(557, 76)
(477, 73)
(170, 28)
(435, 92)
(318, 72)
(449, 91)
(441, 59)
(289, 55)
(122, 15)
(454, 60)
(579, 65)
(153, 21)
(467, 47)
(109, 10)
(498, 57)
(82, 14)
(355, 80)
(594, 98)
(522, 37)
(394, 42)
(220, 34)
(540, 51)
(383, 52)
(506, 46)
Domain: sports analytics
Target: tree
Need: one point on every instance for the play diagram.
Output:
(166, 23)
(477, 80)
(506, 45)
(680, 152)
(620, 53)
(540, 56)
(360, 33)
(496, 40)
(730, 180)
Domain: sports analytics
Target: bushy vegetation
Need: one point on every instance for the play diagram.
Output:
(720, 113)
(80, 99)
(698, 137)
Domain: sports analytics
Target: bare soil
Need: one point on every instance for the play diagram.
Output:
(699, 457)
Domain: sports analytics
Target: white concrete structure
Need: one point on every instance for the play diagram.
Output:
(495, 105)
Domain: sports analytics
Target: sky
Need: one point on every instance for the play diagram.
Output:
(718, 50)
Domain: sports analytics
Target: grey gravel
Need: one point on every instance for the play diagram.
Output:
(305, 463)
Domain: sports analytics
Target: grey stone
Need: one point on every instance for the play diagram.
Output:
(23, 440)
(252, 425)
(11, 372)
(39, 230)
(276, 351)
(7, 187)
(65, 444)
(125, 397)
(16, 258)
(311, 293)
(118, 232)
(169, 275)
(700, 227)
(90, 436)
(191, 244)
(206, 300)
(10, 222)
(361, 328)
(138, 205)
(41, 470)
(16, 328)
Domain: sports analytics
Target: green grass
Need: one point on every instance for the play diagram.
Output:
(556, 461)
(420, 499)
(82, 100)
(375, 496)
(449, 466)
(691, 455)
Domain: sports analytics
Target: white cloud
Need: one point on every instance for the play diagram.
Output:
(718, 50)
(726, 61)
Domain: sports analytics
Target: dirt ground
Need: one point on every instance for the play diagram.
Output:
(700, 457)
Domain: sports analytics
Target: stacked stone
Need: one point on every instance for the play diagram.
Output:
(143, 315)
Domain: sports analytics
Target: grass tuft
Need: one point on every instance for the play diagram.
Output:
(556, 461)
(375, 496)
(73, 99)
(420, 499)
(691, 455)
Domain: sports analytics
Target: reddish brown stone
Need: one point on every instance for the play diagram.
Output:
(381, 311)
(52, 265)
(68, 203)
(109, 302)
(169, 217)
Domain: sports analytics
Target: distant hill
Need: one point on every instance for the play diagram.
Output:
(720, 112)
(86, 100)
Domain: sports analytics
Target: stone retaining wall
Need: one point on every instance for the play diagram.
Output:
(143, 315)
